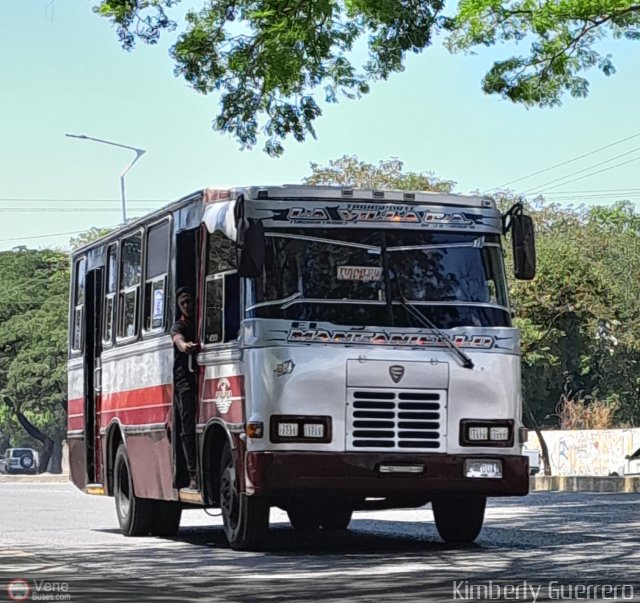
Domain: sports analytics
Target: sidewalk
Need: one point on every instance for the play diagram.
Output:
(39, 478)
(583, 483)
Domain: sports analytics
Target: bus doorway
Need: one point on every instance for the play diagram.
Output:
(186, 279)
(92, 372)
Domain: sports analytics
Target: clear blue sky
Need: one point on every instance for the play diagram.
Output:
(64, 71)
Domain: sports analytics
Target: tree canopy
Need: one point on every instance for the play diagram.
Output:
(274, 61)
(33, 347)
(389, 174)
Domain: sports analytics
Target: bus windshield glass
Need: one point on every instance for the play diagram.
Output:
(364, 278)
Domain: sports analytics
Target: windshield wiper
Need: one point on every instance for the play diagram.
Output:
(477, 243)
(284, 301)
(420, 317)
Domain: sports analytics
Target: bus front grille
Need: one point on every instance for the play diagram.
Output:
(400, 420)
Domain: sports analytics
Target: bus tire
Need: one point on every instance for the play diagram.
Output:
(166, 518)
(459, 519)
(134, 514)
(336, 517)
(303, 518)
(245, 518)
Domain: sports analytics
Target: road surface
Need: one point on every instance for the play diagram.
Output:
(65, 545)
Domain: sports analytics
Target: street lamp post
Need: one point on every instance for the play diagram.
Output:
(139, 153)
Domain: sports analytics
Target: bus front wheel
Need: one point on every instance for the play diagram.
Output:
(134, 514)
(459, 519)
(245, 518)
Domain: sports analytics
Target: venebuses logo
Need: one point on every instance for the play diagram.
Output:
(39, 590)
(18, 590)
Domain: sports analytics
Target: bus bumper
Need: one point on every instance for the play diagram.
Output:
(299, 474)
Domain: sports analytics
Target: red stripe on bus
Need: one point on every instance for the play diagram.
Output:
(137, 416)
(75, 423)
(75, 406)
(145, 396)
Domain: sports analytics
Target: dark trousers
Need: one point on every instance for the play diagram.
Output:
(185, 404)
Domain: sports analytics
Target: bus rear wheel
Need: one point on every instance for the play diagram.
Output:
(245, 518)
(459, 519)
(134, 514)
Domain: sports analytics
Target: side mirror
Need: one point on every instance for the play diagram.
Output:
(524, 246)
(252, 250)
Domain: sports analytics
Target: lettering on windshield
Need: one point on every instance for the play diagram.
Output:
(359, 273)
(478, 342)
(364, 213)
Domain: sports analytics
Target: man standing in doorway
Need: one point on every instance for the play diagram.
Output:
(183, 334)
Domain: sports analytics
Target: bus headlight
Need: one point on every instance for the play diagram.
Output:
(314, 430)
(499, 434)
(477, 434)
(287, 430)
(486, 433)
(300, 428)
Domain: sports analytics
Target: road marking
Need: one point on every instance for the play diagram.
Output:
(380, 570)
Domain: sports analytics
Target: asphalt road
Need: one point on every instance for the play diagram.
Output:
(54, 537)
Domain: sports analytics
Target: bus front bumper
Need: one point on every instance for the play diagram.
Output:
(300, 474)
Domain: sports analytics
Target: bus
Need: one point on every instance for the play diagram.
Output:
(356, 351)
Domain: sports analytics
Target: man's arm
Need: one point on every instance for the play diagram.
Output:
(180, 341)
(184, 346)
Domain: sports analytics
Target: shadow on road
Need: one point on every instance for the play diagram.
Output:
(548, 538)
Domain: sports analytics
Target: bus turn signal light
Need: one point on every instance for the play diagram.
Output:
(255, 429)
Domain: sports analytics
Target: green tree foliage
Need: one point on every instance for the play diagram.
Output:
(274, 60)
(350, 171)
(580, 317)
(89, 236)
(33, 341)
(562, 37)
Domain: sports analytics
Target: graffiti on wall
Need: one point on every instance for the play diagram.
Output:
(588, 451)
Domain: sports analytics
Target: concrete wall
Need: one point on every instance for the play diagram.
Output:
(588, 451)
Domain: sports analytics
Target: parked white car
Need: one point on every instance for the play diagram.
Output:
(534, 460)
(19, 460)
(630, 467)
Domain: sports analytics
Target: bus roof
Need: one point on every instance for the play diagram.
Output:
(304, 191)
(299, 192)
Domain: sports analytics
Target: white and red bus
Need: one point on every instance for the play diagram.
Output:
(356, 352)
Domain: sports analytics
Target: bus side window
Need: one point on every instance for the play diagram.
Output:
(156, 271)
(222, 307)
(222, 291)
(110, 295)
(214, 325)
(130, 278)
(78, 304)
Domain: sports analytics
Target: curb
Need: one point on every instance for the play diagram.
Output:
(38, 478)
(583, 483)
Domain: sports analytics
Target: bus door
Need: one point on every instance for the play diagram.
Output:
(186, 274)
(93, 372)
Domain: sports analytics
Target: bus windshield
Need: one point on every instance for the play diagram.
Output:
(363, 278)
